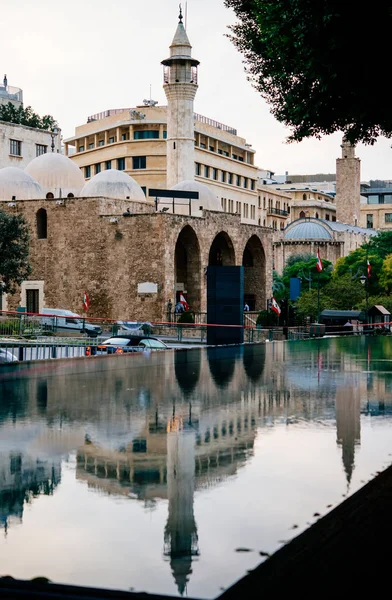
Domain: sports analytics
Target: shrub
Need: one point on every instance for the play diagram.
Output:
(186, 317)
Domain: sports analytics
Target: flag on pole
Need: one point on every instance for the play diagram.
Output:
(184, 302)
(369, 269)
(86, 301)
(275, 306)
(319, 264)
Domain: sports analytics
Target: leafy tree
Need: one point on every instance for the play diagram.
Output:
(14, 252)
(307, 304)
(278, 286)
(294, 258)
(307, 269)
(385, 279)
(267, 318)
(344, 293)
(381, 244)
(303, 56)
(26, 116)
(355, 265)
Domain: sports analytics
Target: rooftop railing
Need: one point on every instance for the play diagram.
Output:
(215, 124)
(11, 93)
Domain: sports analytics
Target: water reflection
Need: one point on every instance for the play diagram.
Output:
(174, 426)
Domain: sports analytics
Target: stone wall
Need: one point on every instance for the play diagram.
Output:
(86, 250)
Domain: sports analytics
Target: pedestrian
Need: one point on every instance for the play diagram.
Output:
(169, 310)
(246, 307)
(180, 308)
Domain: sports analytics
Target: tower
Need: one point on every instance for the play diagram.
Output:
(180, 85)
(348, 185)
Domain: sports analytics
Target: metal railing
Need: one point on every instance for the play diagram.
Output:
(277, 211)
(215, 124)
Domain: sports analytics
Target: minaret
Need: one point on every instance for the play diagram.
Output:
(348, 185)
(180, 85)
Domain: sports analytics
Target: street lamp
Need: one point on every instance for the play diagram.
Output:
(364, 280)
(54, 132)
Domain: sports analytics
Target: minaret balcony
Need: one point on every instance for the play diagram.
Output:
(180, 73)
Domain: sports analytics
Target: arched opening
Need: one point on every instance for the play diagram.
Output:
(42, 224)
(253, 261)
(303, 196)
(316, 215)
(187, 268)
(70, 195)
(221, 251)
(302, 214)
(49, 196)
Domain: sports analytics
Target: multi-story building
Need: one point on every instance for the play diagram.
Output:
(20, 144)
(308, 201)
(376, 205)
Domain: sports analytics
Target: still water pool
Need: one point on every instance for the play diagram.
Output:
(171, 473)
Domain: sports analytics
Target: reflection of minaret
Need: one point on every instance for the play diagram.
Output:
(348, 425)
(181, 542)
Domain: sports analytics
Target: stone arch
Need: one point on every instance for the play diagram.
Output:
(42, 224)
(222, 251)
(302, 214)
(187, 275)
(253, 261)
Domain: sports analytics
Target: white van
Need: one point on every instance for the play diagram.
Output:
(66, 321)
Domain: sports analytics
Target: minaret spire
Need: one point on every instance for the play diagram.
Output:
(180, 85)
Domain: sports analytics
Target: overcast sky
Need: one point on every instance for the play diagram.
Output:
(73, 58)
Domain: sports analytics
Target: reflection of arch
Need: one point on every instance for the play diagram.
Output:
(254, 359)
(302, 214)
(187, 266)
(42, 224)
(253, 261)
(50, 196)
(221, 251)
(221, 362)
(187, 369)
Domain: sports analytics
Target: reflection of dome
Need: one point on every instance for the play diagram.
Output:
(15, 182)
(207, 199)
(56, 172)
(113, 184)
(308, 230)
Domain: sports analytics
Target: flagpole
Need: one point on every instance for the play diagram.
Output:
(318, 297)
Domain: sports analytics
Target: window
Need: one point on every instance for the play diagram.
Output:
(215, 174)
(165, 135)
(206, 171)
(223, 202)
(369, 221)
(220, 151)
(124, 137)
(91, 146)
(327, 217)
(81, 148)
(97, 168)
(197, 168)
(238, 207)
(223, 176)
(40, 149)
(49, 196)
(121, 164)
(15, 148)
(252, 212)
(32, 301)
(333, 218)
(303, 196)
(87, 172)
(231, 206)
(70, 195)
(230, 178)
(111, 139)
(246, 210)
(211, 148)
(302, 214)
(146, 134)
(144, 189)
(225, 153)
(234, 156)
(245, 182)
(42, 224)
(202, 145)
(238, 180)
(108, 165)
(252, 184)
(264, 202)
(138, 162)
(259, 202)
(373, 199)
(387, 198)
(241, 158)
(101, 143)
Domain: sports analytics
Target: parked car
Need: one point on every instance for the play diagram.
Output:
(6, 356)
(134, 327)
(66, 321)
(126, 343)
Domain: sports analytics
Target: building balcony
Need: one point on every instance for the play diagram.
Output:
(277, 212)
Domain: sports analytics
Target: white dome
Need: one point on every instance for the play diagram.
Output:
(15, 182)
(207, 199)
(113, 184)
(57, 174)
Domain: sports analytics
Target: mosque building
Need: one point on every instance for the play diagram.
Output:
(97, 229)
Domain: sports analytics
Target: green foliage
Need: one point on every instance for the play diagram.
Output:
(26, 116)
(344, 293)
(14, 252)
(307, 269)
(385, 301)
(306, 305)
(355, 265)
(186, 317)
(267, 318)
(381, 244)
(304, 58)
(385, 279)
(294, 258)
(278, 286)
